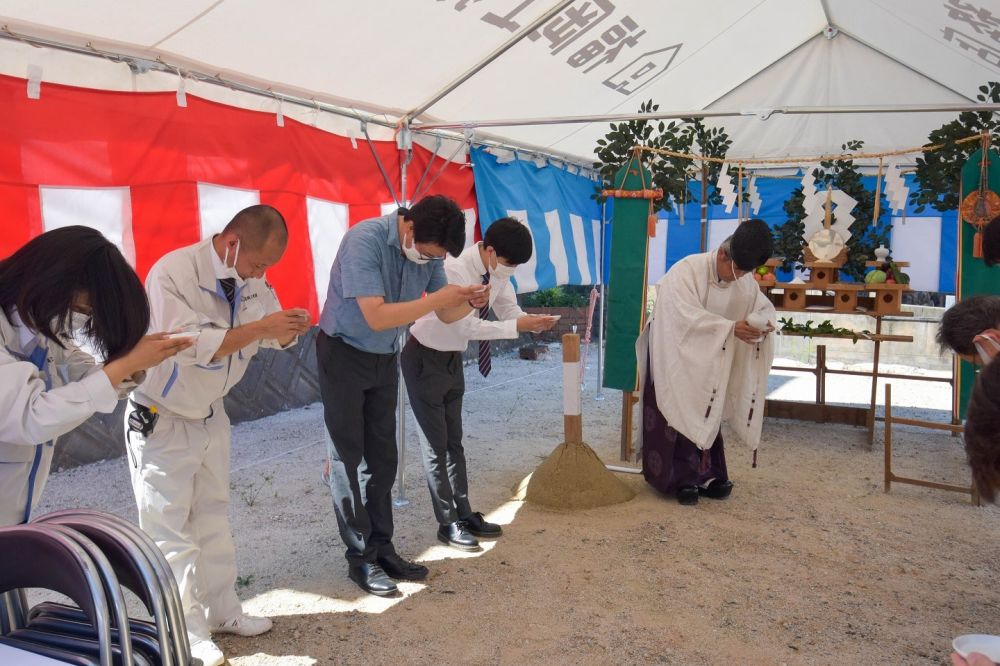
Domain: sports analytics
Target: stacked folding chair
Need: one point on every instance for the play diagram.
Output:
(90, 557)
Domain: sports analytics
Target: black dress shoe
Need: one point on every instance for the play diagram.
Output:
(717, 489)
(478, 526)
(457, 535)
(400, 569)
(372, 579)
(688, 495)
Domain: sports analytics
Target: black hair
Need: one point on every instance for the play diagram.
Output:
(511, 240)
(256, 225)
(982, 432)
(965, 320)
(751, 244)
(437, 219)
(42, 278)
(991, 242)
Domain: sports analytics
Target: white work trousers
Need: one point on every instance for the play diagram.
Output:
(180, 477)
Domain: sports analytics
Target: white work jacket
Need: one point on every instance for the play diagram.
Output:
(185, 294)
(45, 392)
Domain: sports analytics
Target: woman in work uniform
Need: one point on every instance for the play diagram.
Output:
(64, 283)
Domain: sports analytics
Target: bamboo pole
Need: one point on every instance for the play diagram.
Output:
(878, 194)
(704, 206)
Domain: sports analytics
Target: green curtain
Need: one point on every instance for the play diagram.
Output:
(974, 276)
(627, 280)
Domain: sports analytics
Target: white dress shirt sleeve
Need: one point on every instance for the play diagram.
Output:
(472, 327)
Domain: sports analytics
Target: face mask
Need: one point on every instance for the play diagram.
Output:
(231, 270)
(502, 272)
(987, 347)
(412, 253)
(78, 321)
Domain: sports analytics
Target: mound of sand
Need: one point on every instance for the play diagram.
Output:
(573, 477)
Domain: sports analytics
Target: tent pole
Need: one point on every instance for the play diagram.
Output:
(763, 114)
(493, 55)
(401, 390)
(600, 316)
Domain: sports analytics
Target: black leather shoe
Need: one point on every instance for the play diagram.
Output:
(717, 489)
(688, 495)
(478, 526)
(400, 569)
(372, 579)
(457, 535)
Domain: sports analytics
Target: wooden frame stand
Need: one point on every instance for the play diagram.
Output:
(891, 478)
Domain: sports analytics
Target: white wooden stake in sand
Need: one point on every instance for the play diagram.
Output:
(573, 477)
(572, 421)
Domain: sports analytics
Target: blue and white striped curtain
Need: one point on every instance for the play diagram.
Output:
(556, 206)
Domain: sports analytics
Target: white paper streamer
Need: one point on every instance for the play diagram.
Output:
(755, 200)
(34, 81)
(841, 206)
(726, 188)
(895, 187)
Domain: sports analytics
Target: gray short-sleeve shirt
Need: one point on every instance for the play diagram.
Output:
(370, 262)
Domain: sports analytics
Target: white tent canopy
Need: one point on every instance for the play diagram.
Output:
(592, 57)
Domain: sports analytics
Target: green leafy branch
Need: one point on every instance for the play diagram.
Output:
(673, 175)
(825, 328)
(938, 171)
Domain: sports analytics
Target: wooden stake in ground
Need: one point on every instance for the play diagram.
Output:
(573, 477)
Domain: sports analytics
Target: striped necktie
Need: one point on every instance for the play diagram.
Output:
(229, 288)
(485, 363)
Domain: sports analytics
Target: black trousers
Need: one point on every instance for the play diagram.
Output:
(435, 383)
(359, 405)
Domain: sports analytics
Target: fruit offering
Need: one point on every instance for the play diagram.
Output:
(876, 277)
(763, 274)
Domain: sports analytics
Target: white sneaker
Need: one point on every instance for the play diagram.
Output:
(208, 652)
(244, 625)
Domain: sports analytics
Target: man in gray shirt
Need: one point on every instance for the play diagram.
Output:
(383, 268)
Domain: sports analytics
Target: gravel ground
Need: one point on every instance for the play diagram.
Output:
(809, 562)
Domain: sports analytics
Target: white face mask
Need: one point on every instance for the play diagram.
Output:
(231, 270)
(987, 348)
(414, 255)
(78, 321)
(501, 272)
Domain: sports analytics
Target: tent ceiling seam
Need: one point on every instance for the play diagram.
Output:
(188, 24)
(764, 69)
(895, 59)
(674, 68)
(484, 62)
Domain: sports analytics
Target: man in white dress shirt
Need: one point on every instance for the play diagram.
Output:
(435, 381)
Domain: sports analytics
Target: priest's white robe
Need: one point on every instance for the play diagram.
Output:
(702, 373)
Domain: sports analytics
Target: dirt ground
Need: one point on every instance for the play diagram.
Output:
(809, 562)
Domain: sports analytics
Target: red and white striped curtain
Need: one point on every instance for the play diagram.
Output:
(154, 176)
